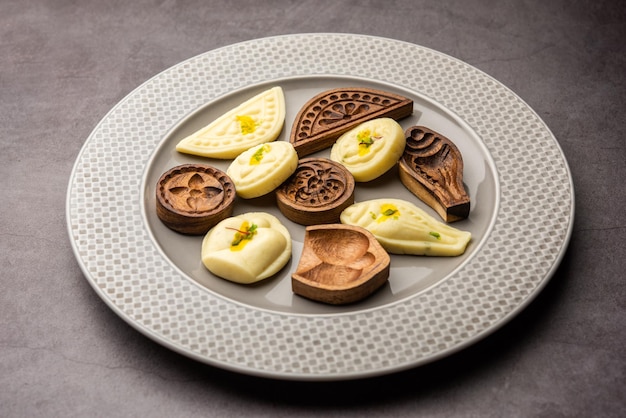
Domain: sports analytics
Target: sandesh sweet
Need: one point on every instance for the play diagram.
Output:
(256, 121)
(262, 168)
(247, 248)
(403, 228)
(370, 149)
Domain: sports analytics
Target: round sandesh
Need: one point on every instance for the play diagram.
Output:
(262, 168)
(370, 149)
(316, 193)
(247, 248)
(192, 198)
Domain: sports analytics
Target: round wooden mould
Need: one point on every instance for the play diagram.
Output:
(316, 193)
(192, 198)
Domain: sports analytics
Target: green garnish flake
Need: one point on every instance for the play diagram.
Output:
(387, 211)
(435, 234)
(244, 233)
(258, 154)
(238, 238)
(365, 139)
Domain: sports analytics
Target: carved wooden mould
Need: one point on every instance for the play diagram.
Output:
(340, 264)
(192, 198)
(328, 115)
(432, 168)
(316, 193)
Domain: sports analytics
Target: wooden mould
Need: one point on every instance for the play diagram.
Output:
(192, 198)
(340, 264)
(330, 114)
(316, 193)
(432, 169)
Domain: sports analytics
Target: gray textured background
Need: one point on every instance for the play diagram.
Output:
(63, 352)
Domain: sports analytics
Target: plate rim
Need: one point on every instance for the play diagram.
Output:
(288, 375)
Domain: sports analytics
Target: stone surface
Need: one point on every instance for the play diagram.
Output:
(63, 352)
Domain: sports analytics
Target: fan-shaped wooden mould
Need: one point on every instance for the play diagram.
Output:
(328, 115)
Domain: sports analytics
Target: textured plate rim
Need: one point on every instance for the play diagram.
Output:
(326, 330)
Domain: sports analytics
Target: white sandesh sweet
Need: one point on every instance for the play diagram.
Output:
(370, 149)
(261, 169)
(247, 248)
(403, 228)
(257, 120)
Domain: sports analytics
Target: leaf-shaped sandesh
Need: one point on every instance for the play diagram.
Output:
(255, 178)
(403, 228)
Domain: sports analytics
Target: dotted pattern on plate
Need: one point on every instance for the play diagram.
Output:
(123, 265)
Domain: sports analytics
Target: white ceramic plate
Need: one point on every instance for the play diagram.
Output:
(517, 177)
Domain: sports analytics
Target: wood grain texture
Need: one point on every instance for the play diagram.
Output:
(192, 198)
(317, 193)
(432, 169)
(340, 264)
(328, 115)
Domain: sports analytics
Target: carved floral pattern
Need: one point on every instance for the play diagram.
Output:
(341, 111)
(197, 196)
(316, 184)
(331, 113)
